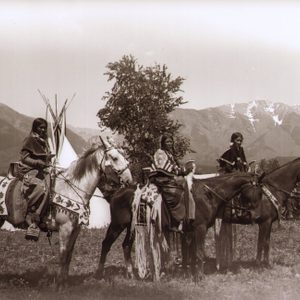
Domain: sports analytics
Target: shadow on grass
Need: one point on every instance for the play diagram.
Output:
(42, 278)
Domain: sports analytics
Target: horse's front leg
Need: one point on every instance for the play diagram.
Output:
(263, 244)
(198, 255)
(185, 245)
(68, 233)
(266, 260)
(127, 247)
(259, 245)
(187, 248)
(112, 234)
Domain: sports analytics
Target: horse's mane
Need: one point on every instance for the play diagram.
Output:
(86, 162)
(283, 166)
(219, 177)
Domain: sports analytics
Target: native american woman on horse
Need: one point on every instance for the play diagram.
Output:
(234, 158)
(167, 175)
(35, 157)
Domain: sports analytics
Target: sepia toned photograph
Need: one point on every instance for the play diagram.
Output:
(149, 149)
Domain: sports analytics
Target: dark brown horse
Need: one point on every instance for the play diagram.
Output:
(280, 183)
(208, 203)
(120, 200)
(211, 195)
(268, 196)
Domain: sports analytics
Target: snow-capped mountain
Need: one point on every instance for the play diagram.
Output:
(269, 129)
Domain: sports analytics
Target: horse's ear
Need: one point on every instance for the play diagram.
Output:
(105, 143)
(111, 141)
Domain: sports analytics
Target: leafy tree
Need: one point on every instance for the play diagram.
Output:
(138, 107)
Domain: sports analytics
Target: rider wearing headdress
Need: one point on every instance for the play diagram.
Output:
(35, 157)
(234, 158)
(166, 175)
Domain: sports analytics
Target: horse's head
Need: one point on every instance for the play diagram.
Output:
(284, 177)
(115, 162)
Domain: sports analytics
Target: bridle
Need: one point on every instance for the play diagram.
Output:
(77, 189)
(118, 172)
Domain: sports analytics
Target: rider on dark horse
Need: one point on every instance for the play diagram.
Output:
(35, 157)
(167, 175)
(234, 158)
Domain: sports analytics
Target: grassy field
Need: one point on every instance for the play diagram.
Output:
(28, 268)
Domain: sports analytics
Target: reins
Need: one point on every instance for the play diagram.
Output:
(294, 194)
(227, 199)
(77, 189)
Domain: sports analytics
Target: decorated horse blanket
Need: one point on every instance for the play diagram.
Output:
(4, 184)
(67, 205)
(146, 207)
(147, 226)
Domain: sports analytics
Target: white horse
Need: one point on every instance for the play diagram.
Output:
(74, 187)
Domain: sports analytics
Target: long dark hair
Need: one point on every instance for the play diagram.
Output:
(38, 122)
(236, 135)
(163, 140)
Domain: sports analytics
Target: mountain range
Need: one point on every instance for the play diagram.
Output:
(271, 130)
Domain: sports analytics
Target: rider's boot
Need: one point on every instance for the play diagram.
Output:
(33, 231)
(33, 219)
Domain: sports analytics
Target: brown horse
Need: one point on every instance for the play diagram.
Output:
(275, 189)
(77, 185)
(120, 200)
(211, 195)
(208, 203)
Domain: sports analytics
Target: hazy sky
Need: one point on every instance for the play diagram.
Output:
(228, 51)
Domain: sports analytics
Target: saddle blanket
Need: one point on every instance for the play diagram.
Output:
(76, 207)
(148, 200)
(4, 184)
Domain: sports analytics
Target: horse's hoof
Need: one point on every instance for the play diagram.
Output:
(257, 263)
(266, 265)
(198, 278)
(186, 274)
(129, 275)
(99, 275)
(60, 286)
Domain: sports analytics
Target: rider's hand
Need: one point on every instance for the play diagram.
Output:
(41, 164)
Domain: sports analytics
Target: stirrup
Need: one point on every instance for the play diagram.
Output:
(32, 233)
(178, 228)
